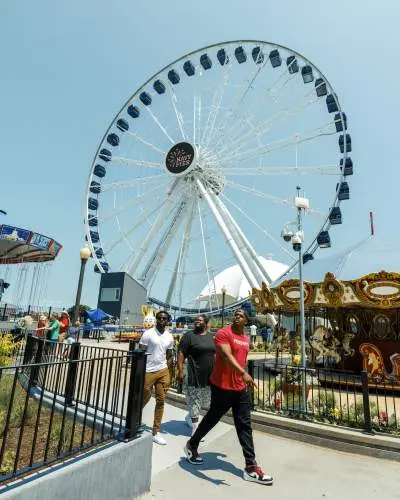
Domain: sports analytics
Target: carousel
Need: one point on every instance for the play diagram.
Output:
(352, 320)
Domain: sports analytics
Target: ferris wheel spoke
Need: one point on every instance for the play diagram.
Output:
(231, 112)
(130, 203)
(112, 186)
(145, 142)
(284, 170)
(211, 291)
(197, 108)
(160, 125)
(178, 114)
(269, 92)
(227, 234)
(262, 229)
(269, 197)
(247, 131)
(182, 254)
(154, 228)
(138, 222)
(161, 248)
(137, 163)
(289, 141)
(243, 243)
(215, 107)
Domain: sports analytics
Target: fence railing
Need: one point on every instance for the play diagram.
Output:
(10, 312)
(58, 402)
(325, 395)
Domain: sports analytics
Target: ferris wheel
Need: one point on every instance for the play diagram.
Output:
(196, 171)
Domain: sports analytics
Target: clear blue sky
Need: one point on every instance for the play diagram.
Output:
(68, 66)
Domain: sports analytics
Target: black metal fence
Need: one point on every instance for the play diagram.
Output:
(330, 396)
(64, 399)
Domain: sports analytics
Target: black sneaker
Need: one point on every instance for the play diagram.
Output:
(257, 475)
(192, 455)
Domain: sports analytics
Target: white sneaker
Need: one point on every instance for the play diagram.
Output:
(257, 475)
(188, 421)
(159, 439)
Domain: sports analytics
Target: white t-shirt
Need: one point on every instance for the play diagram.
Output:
(157, 346)
(253, 330)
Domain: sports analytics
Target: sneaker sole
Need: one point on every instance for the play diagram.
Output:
(189, 457)
(251, 479)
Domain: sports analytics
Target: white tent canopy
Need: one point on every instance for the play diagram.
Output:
(236, 285)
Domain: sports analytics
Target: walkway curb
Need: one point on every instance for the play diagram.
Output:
(337, 438)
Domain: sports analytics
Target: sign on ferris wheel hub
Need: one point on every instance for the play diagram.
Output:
(181, 159)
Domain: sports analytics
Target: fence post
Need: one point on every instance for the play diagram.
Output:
(135, 393)
(4, 312)
(28, 352)
(38, 359)
(250, 368)
(131, 349)
(366, 407)
(72, 373)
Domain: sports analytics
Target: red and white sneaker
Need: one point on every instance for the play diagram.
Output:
(257, 475)
(192, 455)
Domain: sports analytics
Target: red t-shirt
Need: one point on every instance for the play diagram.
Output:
(224, 376)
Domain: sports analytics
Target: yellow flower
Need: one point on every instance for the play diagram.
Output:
(335, 413)
(296, 359)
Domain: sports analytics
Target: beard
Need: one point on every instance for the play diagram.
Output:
(199, 328)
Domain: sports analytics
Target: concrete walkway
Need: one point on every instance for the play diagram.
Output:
(300, 470)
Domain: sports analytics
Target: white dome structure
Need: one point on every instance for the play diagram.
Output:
(234, 282)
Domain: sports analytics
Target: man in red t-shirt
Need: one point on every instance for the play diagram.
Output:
(231, 389)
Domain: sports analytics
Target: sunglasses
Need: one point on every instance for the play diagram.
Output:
(163, 318)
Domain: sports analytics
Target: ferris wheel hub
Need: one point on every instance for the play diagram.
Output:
(181, 159)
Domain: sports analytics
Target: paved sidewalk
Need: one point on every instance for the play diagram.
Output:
(176, 433)
(300, 470)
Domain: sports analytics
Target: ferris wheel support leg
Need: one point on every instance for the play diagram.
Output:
(254, 262)
(155, 227)
(181, 255)
(228, 235)
(162, 247)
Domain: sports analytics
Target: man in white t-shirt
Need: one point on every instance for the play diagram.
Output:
(158, 343)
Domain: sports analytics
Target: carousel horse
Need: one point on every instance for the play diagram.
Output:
(347, 350)
(325, 344)
(373, 362)
(395, 360)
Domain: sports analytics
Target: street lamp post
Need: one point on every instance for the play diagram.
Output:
(297, 239)
(301, 207)
(84, 255)
(223, 291)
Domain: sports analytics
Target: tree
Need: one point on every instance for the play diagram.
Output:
(82, 309)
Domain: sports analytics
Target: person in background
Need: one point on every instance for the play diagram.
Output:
(42, 326)
(64, 324)
(231, 388)
(73, 333)
(253, 334)
(198, 348)
(53, 330)
(158, 343)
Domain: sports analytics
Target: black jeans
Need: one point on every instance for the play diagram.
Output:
(221, 402)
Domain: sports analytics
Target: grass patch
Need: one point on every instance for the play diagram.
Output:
(41, 435)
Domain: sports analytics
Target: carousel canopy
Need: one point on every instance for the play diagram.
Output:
(361, 276)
